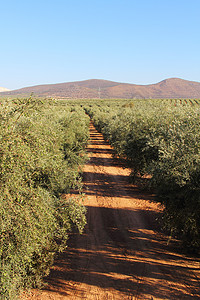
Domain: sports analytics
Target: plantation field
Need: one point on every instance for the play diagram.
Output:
(161, 139)
(41, 151)
(122, 254)
(147, 180)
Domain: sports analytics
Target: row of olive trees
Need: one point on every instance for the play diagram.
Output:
(42, 145)
(162, 140)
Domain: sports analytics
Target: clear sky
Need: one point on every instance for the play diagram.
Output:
(134, 41)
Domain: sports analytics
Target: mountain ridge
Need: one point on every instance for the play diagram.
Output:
(100, 88)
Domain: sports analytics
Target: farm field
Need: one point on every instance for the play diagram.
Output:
(122, 253)
(140, 235)
(42, 148)
(160, 138)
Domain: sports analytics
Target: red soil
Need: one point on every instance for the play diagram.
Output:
(122, 254)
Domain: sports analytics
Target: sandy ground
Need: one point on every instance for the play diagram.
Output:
(122, 254)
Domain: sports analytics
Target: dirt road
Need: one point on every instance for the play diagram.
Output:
(122, 254)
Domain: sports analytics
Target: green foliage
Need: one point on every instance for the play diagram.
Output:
(41, 149)
(160, 138)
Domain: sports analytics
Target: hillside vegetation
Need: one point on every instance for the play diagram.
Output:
(95, 88)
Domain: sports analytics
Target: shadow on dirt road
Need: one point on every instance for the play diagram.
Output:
(122, 254)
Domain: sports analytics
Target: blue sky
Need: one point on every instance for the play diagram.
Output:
(135, 41)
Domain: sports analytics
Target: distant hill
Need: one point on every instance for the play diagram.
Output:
(2, 89)
(96, 88)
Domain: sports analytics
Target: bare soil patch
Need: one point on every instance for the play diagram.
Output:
(122, 254)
